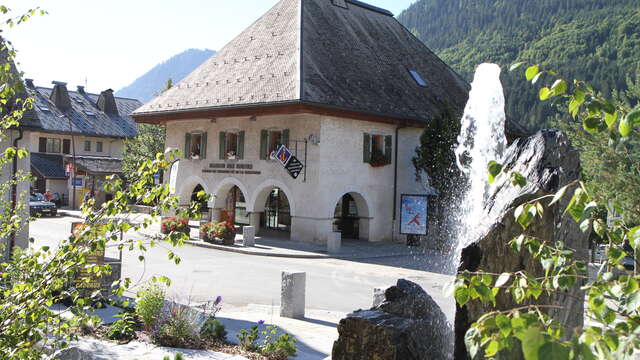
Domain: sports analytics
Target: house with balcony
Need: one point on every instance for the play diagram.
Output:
(75, 140)
(344, 86)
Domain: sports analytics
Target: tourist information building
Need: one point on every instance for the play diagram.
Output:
(344, 86)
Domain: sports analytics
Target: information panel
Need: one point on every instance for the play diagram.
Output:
(413, 214)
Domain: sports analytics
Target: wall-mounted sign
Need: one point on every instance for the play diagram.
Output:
(77, 182)
(413, 214)
(294, 167)
(283, 155)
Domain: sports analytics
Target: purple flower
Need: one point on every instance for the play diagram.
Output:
(261, 322)
(218, 300)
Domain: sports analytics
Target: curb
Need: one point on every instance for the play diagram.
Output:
(247, 251)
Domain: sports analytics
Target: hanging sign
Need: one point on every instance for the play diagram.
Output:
(290, 162)
(413, 214)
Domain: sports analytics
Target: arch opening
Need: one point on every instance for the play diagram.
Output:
(351, 217)
(204, 206)
(235, 207)
(277, 211)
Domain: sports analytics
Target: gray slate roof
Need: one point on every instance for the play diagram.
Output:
(83, 117)
(314, 52)
(48, 166)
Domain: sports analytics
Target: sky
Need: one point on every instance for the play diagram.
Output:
(108, 44)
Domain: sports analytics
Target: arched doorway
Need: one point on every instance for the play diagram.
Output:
(236, 207)
(277, 211)
(204, 207)
(351, 217)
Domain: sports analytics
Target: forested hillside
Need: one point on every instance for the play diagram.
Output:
(593, 40)
(176, 68)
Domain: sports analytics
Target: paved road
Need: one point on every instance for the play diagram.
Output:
(334, 285)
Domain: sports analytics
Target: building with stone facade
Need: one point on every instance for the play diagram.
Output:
(75, 140)
(340, 83)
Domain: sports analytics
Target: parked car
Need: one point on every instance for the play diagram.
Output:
(628, 261)
(39, 206)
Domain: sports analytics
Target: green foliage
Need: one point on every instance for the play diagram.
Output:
(213, 329)
(123, 329)
(179, 328)
(177, 356)
(277, 346)
(149, 304)
(594, 40)
(145, 146)
(248, 338)
(612, 298)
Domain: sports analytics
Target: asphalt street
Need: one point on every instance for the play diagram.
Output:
(334, 285)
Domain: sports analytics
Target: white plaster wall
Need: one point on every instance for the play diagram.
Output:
(407, 184)
(334, 167)
(111, 147)
(57, 186)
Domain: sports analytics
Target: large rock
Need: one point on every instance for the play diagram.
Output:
(548, 162)
(408, 325)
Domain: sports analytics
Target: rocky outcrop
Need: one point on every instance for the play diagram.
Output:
(548, 162)
(408, 325)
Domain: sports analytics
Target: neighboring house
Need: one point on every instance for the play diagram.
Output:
(75, 140)
(344, 85)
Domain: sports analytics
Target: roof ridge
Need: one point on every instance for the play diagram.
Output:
(87, 93)
(371, 7)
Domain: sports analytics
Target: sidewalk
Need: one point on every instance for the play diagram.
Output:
(275, 245)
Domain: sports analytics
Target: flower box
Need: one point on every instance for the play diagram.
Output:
(172, 224)
(223, 233)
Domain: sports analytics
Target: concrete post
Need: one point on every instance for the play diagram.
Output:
(292, 296)
(248, 236)
(254, 220)
(334, 243)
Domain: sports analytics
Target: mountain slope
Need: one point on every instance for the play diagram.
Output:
(593, 40)
(145, 87)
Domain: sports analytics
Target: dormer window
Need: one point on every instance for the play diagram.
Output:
(195, 147)
(232, 145)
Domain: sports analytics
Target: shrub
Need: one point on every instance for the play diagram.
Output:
(173, 224)
(277, 347)
(177, 356)
(179, 327)
(123, 329)
(212, 330)
(248, 338)
(149, 305)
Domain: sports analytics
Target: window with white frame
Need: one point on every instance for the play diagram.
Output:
(195, 145)
(87, 145)
(271, 140)
(377, 149)
(231, 145)
(99, 146)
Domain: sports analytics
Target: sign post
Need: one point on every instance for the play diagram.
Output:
(413, 217)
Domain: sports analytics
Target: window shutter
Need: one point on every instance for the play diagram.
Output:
(263, 144)
(241, 145)
(203, 146)
(66, 146)
(366, 147)
(223, 145)
(42, 145)
(187, 146)
(285, 137)
(388, 148)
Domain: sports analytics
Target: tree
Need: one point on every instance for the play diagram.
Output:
(613, 301)
(33, 280)
(149, 142)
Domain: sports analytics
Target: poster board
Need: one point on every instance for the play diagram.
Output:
(413, 214)
(86, 280)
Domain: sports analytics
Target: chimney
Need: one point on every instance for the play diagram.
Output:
(60, 96)
(29, 83)
(81, 90)
(107, 103)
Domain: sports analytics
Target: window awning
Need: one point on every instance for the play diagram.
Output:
(48, 166)
(99, 166)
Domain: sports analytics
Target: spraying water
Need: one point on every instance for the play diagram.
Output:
(481, 140)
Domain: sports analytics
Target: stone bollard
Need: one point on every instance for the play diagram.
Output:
(334, 243)
(292, 296)
(248, 236)
(378, 296)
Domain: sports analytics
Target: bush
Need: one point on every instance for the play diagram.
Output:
(177, 356)
(210, 231)
(179, 327)
(173, 224)
(213, 330)
(150, 304)
(248, 338)
(123, 329)
(277, 347)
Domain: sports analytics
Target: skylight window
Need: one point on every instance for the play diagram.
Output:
(418, 78)
(43, 108)
(89, 113)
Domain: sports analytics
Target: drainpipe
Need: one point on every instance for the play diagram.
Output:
(395, 182)
(14, 189)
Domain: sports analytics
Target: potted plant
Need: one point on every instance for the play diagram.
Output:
(173, 224)
(223, 232)
(377, 159)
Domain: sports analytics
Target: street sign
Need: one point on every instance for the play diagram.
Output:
(294, 167)
(283, 155)
(77, 182)
(413, 214)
